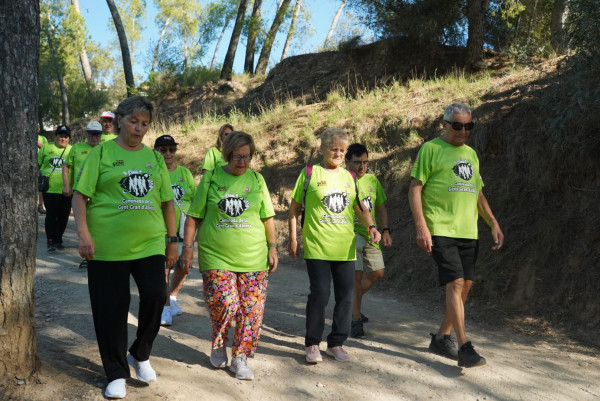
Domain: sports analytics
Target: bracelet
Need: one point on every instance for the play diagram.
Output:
(272, 245)
(187, 245)
(386, 229)
(371, 227)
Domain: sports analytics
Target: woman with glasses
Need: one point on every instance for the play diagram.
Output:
(184, 186)
(237, 250)
(214, 156)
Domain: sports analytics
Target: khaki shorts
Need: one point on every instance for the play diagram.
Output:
(368, 257)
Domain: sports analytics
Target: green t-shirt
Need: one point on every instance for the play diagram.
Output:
(43, 139)
(371, 195)
(77, 155)
(184, 187)
(213, 159)
(50, 161)
(232, 235)
(451, 185)
(126, 189)
(107, 137)
(328, 232)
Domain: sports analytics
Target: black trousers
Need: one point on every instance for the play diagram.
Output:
(108, 283)
(320, 274)
(58, 208)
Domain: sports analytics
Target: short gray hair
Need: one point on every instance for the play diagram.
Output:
(455, 108)
(133, 104)
(234, 140)
(333, 135)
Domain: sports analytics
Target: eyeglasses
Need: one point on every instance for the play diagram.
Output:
(458, 126)
(164, 149)
(238, 158)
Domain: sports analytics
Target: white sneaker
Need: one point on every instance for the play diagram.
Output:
(143, 370)
(239, 366)
(175, 309)
(115, 389)
(166, 319)
(218, 357)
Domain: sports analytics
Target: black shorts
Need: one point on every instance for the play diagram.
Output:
(455, 258)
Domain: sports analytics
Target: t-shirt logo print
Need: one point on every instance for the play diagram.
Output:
(368, 202)
(336, 202)
(136, 183)
(178, 191)
(233, 205)
(463, 169)
(56, 162)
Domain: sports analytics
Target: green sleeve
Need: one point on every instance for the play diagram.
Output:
(266, 208)
(379, 195)
(298, 191)
(198, 207)
(89, 173)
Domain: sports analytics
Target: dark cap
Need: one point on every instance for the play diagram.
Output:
(63, 130)
(165, 140)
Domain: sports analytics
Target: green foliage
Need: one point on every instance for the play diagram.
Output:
(583, 32)
(171, 78)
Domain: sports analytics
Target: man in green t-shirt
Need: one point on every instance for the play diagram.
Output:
(369, 258)
(446, 199)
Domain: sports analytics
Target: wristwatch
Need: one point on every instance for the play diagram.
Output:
(373, 226)
(187, 245)
(172, 239)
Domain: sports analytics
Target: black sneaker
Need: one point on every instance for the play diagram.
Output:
(357, 330)
(41, 210)
(60, 247)
(51, 247)
(468, 358)
(444, 347)
(363, 318)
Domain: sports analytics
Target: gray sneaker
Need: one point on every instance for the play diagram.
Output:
(239, 366)
(338, 353)
(218, 357)
(313, 354)
(443, 347)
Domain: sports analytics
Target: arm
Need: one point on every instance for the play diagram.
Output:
(271, 239)
(364, 216)
(382, 221)
(169, 217)
(66, 191)
(414, 199)
(485, 212)
(187, 254)
(86, 242)
(293, 224)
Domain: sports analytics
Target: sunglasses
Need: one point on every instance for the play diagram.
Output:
(458, 126)
(237, 158)
(164, 149)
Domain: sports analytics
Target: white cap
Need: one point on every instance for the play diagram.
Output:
(94, 127)
(107, 114)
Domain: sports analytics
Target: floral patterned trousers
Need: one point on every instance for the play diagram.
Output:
(242, 296)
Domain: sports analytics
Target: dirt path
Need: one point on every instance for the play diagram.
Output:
(391, 363)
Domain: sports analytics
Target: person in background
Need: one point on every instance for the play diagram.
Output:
(328, 194)
(446, 197)
(213, 157)
(73, 163)
(123, 206)
(42, 140)
(184, 187)
(237, 251)
(58, 206)
(369, 259)
(107, 119)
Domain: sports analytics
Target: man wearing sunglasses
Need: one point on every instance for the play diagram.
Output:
(446, 198)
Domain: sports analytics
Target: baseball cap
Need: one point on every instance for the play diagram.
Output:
(107, 114)
(94, 127)
(165, 140)
(62, 130)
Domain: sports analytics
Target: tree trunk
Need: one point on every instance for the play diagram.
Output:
(334, 23)
(560, 11)
(265, 54)
(531, 22)
(157, 48)
(66, 117)
(19, 32)
(83, 57)
(252, 34)
(288, 40)
(475, 14)
(124, 46)
(214, 58)
(235, 37)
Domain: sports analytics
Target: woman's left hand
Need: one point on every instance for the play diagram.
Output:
(273, 259)
(171, 254)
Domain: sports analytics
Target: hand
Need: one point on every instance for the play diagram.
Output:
(424, 240)
(387, 239)
(187, 255)
(498, 237)
(87, 248)
(171, 254)
(293, 248)
(375, 235)
(273, 259)
(67, 191)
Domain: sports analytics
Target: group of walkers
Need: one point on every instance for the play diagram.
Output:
(138, 213)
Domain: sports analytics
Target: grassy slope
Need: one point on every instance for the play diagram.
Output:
(535, 137)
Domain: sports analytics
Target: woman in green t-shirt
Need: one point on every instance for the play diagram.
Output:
(237, 251)
(327, 192)
(123, 206)
(214, 157)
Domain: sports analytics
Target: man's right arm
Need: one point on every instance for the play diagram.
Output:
(424, 240)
